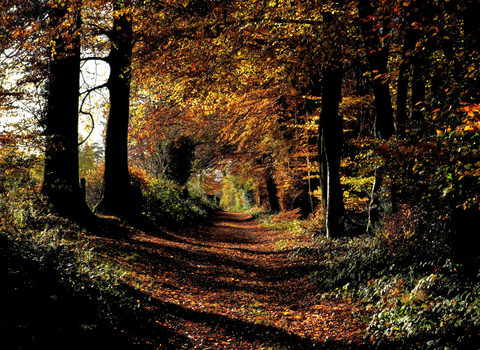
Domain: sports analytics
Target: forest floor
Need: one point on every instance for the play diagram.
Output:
(232, 285)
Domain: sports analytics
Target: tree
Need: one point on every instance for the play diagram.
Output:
(375, 34)
(118, 196)
(61, 179)
(180, 154)
(330, 143)
(89, 156)
(266, 63)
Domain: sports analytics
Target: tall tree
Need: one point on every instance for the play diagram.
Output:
(117, 193)
(330, 144)
(61, 179)
(375, 32)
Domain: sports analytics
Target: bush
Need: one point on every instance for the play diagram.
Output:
(416, 295)
(94, 179)
(441, 311)
(165, 205)
(47, 274)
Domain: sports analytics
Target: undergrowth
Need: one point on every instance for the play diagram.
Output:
(416, 294)
(170, 206)
(56, 293)
(275, 221)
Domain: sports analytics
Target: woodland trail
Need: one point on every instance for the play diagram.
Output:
(229, 286)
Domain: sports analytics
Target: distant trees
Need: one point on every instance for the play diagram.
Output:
(179, 156)
(282, 69)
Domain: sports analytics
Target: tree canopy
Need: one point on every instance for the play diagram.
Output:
(327, 106)
(349, 132)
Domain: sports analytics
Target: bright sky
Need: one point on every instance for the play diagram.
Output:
(94, 73)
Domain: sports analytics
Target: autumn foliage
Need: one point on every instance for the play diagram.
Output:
(350, 128)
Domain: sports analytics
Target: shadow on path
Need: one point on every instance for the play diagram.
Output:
(227, 286)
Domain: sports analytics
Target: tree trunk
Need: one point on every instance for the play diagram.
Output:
(117, 192)
(272, 194)
(411, 37)
(402, 94)
(418, 88)
(313, 184)
(330, 143)
(309, 107)
(377, 55)
(61, 179)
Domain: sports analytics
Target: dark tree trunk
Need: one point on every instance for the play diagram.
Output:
(418, 88)
(61, 180)
(419, 64)
(118, 196)
(260, 197)
(377, 55)
(411, 37)
(410, 58)
(402, 92)
(330, 143)
(272, 194)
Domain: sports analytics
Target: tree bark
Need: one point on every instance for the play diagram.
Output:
(272, 194)
(117, 192)
(418, 88)
(402, 93)
(309, 107)
(61, 185)
(313, 184)
(377, 56)
(411, 37)
(330, 143)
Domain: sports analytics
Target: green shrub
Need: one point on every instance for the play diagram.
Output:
(417, 297)
(165, 204)
(441, 311)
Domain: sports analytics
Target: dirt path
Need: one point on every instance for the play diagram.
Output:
(228, 286)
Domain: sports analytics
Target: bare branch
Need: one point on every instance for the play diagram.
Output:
(95, 58)
(89, 91)
(93, 126)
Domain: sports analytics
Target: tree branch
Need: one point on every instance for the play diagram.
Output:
(95, 58)
(89, 91)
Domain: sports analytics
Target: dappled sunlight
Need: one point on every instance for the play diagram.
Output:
(232, 270)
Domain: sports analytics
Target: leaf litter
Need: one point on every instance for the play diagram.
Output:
(228, 286)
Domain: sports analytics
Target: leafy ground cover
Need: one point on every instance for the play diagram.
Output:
(420, 292)
(228, 286)
(56, 296)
